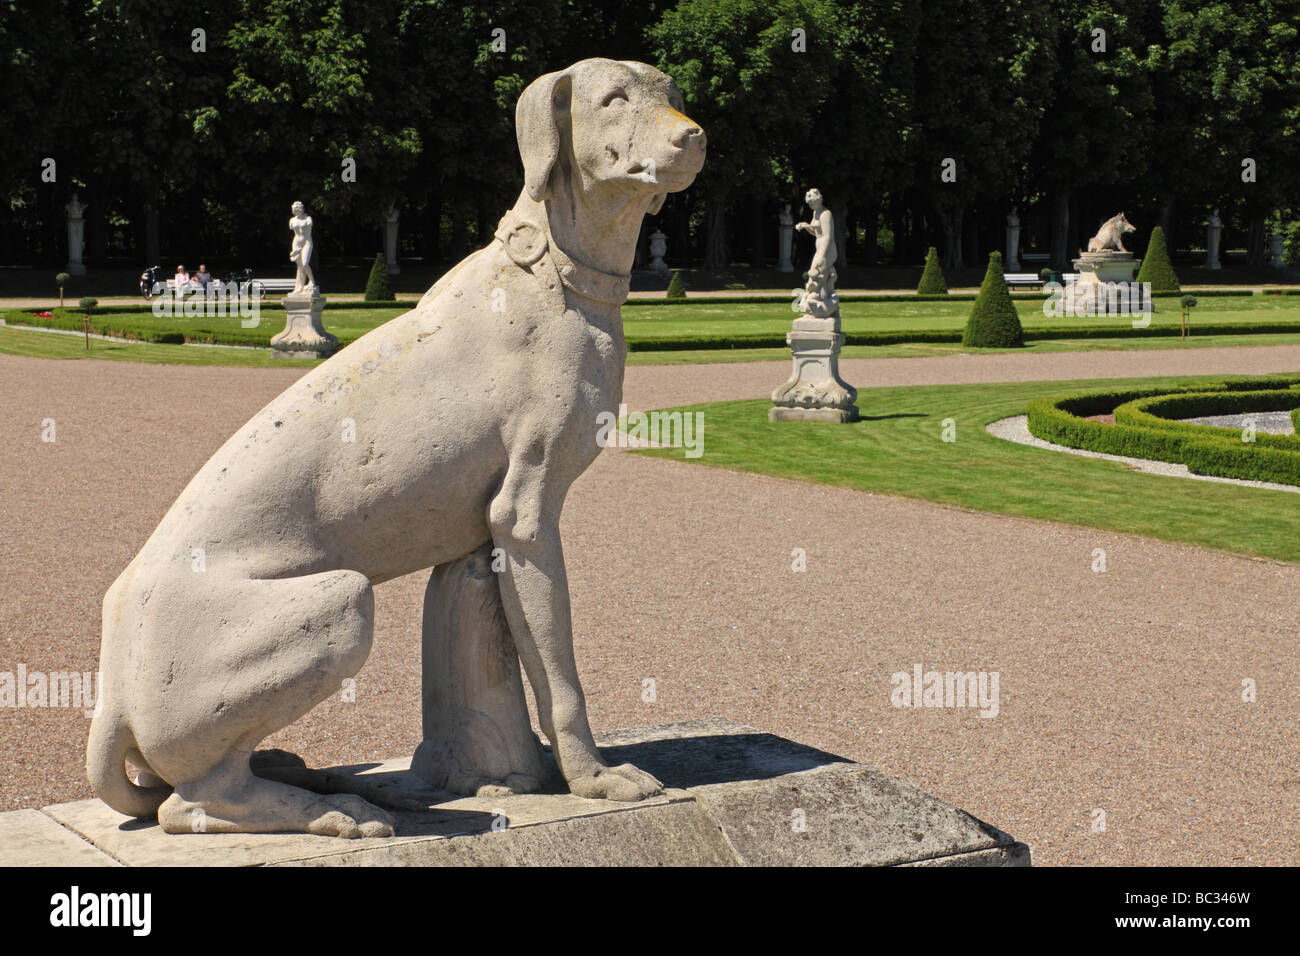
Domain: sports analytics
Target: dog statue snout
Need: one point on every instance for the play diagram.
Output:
(690, 137)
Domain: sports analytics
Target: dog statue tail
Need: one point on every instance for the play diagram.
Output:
(110, 742)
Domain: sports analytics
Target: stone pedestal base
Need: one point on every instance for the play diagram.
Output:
(815, 392)
(304, 334)
(75, 268)
(734, 796)
(1097, 288)
(838, 416)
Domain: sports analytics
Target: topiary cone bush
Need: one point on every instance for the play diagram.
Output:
(1156, 267)
(932, 280)
(377, 287)
(675, 288)
(994, 322)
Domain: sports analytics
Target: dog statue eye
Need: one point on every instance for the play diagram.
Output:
(616, 95)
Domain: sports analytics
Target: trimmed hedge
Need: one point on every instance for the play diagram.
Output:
(378, 288)
(932, 280)
(676, 288)
(1163, 411)
(1204, 450)
(994, 321)
(1156, 267)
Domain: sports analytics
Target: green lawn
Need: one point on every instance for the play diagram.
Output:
(914, 349)
(897, 449)
(647, 322)
(647, 325)
(49, 345)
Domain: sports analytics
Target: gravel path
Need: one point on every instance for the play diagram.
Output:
(1275, 423)
(1118, 691)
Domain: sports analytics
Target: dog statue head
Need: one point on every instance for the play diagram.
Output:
(609, 125)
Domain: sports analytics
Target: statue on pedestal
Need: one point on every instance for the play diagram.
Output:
(1213, 229)
(76, 235)
(304, 334)
(815, 391)
(1013, 240)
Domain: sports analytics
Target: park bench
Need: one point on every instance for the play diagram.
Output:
(273, 285)
(261, 286)
(1021, 278)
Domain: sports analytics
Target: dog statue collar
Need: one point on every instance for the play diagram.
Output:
(526, 244)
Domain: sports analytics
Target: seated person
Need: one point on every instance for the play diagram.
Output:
(203, 277)
(182, 279)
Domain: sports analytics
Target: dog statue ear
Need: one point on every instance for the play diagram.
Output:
(656, 204)
(537, 128)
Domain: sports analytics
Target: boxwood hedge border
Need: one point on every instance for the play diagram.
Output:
(1205, 450)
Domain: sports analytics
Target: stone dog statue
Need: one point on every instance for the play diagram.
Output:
(457, 426)
(1111, 235)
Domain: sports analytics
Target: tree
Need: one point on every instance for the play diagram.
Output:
(748, 86)
(932, 279)
(978, 104)
(1241, 72)
(994, 322)
(1099, 103)
(872, 81)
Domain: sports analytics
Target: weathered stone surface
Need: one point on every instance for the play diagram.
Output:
(1012, 854)
(30, 838)
(677, 834)
(840, 816)
(734, 796)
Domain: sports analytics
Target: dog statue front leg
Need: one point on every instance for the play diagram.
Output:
(535, 595)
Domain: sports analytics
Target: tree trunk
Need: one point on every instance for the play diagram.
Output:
(152, 234)
(431, 244)
(96, 232)
(840, 215)
(900, 257)
(757, 234)
(870, 251)
(950, 227)
(1256, 251)
(971, 246)
(1060, 227)
(715, 235)
(459, 237)
(1166, 221)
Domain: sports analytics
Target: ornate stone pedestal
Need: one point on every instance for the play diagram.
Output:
(304, 334)
(1099, 272)
(815, 392)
